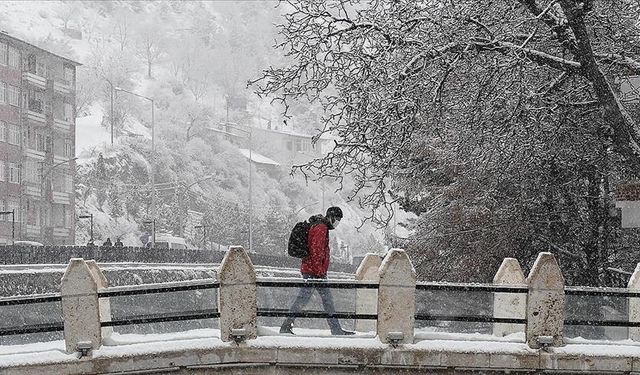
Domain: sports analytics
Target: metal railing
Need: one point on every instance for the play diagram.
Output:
(313, 283)
(204, 284)
(145, 289)
(31, 328)
(460, 287)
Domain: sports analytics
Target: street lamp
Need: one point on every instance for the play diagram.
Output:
(186, 189)
(153, 231)
(13, 223)
(248, 132)
(153, 150)
(43, 180)
(90, 217)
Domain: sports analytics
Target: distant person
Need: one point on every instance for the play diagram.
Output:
(315, 267)
(107, 243)
(90, 244)
(118, 243)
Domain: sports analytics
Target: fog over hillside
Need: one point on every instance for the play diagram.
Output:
(193, 59)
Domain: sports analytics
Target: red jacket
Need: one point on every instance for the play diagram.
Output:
(317, 263)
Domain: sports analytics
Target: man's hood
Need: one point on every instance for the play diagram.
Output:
(319, 219)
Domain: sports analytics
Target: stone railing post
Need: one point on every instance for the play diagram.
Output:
(104, 303)
(396, 297)
(237, 301)
(80, 309)
(509, 305)
(634, 304)
(545, 303)
(367, 299)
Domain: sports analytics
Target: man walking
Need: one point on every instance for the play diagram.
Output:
(315, 267)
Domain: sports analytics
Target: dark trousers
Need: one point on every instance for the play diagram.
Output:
(305, 295)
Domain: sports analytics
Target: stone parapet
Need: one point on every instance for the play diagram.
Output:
(284, 356)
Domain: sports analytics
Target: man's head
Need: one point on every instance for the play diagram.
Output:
(334, 215)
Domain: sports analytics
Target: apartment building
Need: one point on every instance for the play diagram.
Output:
(37, 143)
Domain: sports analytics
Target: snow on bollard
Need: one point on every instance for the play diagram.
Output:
(237, 301)
(367, 299)
(104, 303)
(634, 304)
(545, 303)
(80, 308)
(396, 298)
(509, 305)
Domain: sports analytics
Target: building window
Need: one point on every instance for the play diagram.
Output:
(14, 57)
(14, 134)
(42, 70)
(3, 53)
(68, 111)
(3, 171)
(41, 142)
(67, 75)
(3, 91)
(32, 169)
(36, 99)
(67, 151)
(14, 173)
(13, 94)
(13, 204)
(3, 131)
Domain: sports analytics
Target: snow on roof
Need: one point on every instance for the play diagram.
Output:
(257, 158)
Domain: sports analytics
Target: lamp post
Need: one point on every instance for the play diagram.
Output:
(153, 231)
(90, 217)
(248, 132)
(13, 223)
(43, 180)
(153, 151)
(186, 189)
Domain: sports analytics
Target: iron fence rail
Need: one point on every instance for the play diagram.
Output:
(460, 287)
(33, 328)
(315, 283)
(469, 318)
(285, 313)
(163, 317)
(158, 288)
(31, 299)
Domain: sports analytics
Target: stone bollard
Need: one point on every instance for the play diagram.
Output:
(367, 299)
(396, 297)
(634, 304)
(80, 308)
(237, 301)
(104, 303)
(545, 303)
(509, 305)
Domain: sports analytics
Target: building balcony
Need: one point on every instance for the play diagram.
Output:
(62, 87)
(35, 79)
(33, 153)
(61, 124)
(32, 190)
(61, 198)
(32, 230)
(61, 232)
(35, 116)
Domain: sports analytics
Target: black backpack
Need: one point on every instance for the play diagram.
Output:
(299, 240)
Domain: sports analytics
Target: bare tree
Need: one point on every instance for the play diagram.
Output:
(442, 106)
